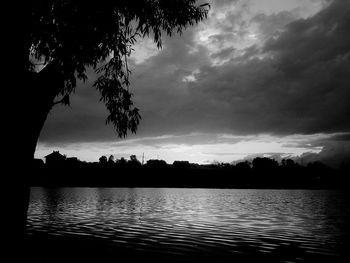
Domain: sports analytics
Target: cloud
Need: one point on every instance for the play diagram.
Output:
(335, 150)
(331, 149)
(260, 91)
(333, 154)
(313, 55)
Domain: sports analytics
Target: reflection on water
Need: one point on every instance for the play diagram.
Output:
(182, 221)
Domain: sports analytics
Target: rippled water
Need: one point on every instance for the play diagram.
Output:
(294, 223)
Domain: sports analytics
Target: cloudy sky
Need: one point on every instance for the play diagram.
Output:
(258, 77)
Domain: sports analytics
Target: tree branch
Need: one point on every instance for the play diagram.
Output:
(64, 101)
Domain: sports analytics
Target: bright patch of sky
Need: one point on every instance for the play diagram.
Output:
(232, 25)
(191, 77)
(144, 49)
(223, 148)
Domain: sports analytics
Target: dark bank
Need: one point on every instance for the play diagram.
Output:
(261, 172)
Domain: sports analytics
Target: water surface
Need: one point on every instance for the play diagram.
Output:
(293, 225)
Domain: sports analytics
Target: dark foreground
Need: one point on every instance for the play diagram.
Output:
(48, 248)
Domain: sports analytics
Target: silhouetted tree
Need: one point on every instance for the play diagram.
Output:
(156, 164)
(265, 171)
(134, 162)
(243, 167)
(65, 37)
(264, 164)
(289, 163)
(61, 39)
(111, 160)
(182, 164)
(103, 159)
(121, 163)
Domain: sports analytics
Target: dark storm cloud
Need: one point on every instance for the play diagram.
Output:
(314, 55)
(334, 153)
(226, 52)
(297, 83)
(82, 121)
(334, 150)
(293, 81)
(270, 25)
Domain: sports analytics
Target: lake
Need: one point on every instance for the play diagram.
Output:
(183, 224)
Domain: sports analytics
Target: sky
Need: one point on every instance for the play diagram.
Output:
(257, 78)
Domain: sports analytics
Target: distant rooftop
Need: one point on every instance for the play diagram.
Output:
(54, 154)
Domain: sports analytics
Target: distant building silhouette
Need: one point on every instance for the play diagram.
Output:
(54, 158)
(72, 159)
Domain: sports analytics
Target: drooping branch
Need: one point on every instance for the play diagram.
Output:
(80, 34)
(65, 101)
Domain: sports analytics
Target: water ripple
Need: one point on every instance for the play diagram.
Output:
(185, 221)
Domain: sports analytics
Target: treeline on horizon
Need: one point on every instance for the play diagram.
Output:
(261, 172)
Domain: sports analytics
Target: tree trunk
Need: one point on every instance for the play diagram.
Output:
(35, 100)
(28, 98)
(46, 85)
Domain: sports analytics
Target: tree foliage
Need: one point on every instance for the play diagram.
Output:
(76, 34)
(103, 159)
